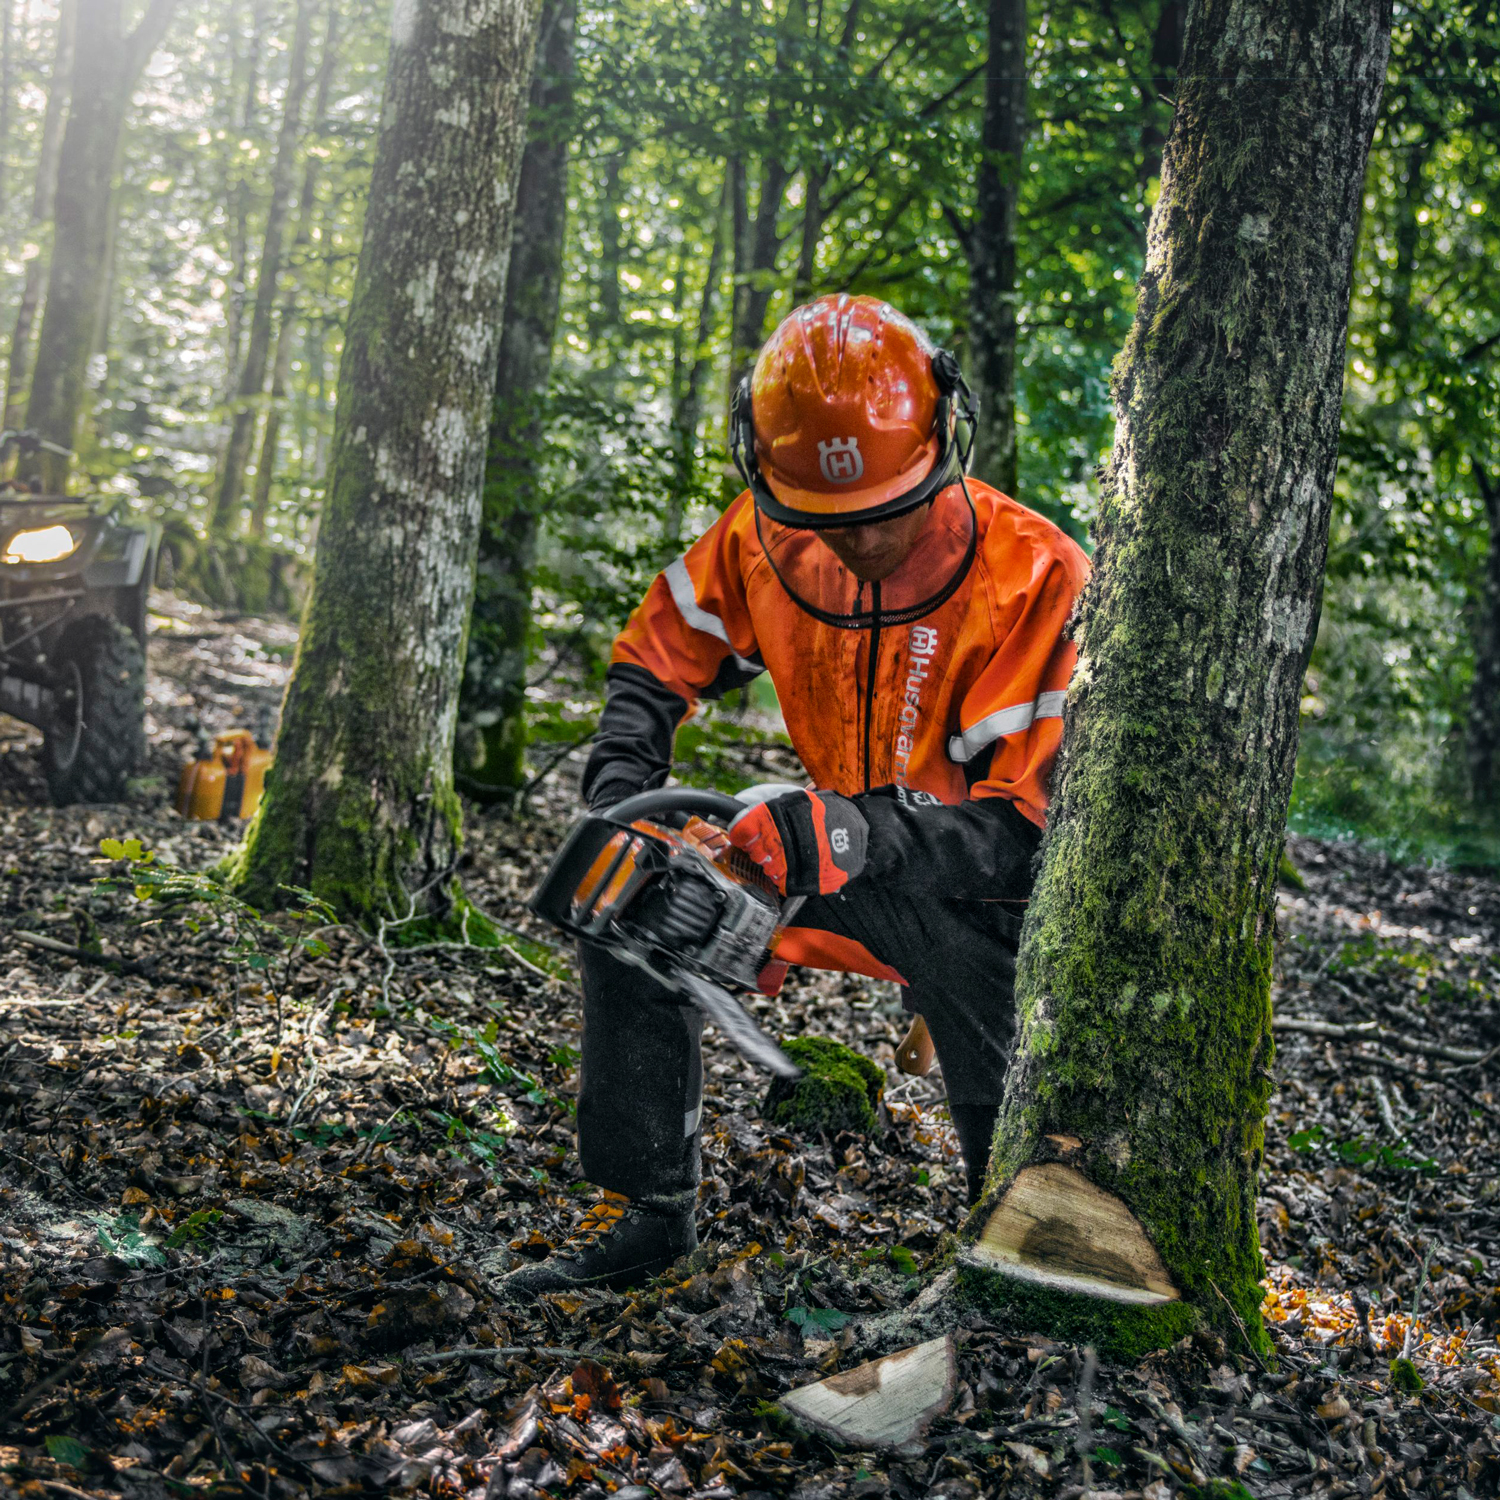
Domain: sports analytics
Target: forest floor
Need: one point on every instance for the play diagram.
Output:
(254, 1199)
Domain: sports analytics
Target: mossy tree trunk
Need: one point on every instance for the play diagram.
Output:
(251, 384)
(360, 805)
(107, 60)
(991, 246)
(1484, 696)
(491, 740)
(1120, 1204)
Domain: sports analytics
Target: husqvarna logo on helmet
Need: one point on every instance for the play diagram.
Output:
(840, 460)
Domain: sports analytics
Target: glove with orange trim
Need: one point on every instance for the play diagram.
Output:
(809, 843)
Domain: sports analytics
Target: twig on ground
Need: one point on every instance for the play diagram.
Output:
(84, 955)
(1416, 1305)
(1361, 1031)
(1083, 1444)
(1383, 1103)
(1441, 1079)
(481, 1351)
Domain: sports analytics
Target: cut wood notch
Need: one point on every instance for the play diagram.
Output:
(885, 1403)
(1055, 1228)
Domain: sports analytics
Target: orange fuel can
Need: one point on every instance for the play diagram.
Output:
(227, 783)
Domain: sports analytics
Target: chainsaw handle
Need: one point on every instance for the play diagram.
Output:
(677, 799)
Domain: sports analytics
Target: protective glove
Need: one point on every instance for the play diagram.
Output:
(809, 843)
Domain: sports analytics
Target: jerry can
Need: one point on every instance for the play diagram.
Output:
(227, 782)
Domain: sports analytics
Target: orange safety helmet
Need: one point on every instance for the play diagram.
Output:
(848, 416)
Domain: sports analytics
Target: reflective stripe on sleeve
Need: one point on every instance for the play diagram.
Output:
(694, 615)
(964, 747)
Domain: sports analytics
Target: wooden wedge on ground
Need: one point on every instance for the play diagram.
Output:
(885, 1403)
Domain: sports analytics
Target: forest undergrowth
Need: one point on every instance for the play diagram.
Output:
(258, 1182)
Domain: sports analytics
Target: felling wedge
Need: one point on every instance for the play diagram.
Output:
(1056, 1229)
(885, 1403)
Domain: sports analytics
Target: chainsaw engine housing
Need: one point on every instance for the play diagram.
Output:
(668, 897)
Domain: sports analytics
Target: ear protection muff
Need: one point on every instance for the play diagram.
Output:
(955, 399)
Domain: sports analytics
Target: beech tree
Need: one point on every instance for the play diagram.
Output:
(360, 805)
(107, 61)
(990, 242)
(492, 727)
(250, 386)
(1120, 1204)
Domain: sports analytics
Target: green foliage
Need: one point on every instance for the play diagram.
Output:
(195, 899)
(1404, 1377)
(839, 1089)
(819, 1319)
(121, 1236)
(198, 1226)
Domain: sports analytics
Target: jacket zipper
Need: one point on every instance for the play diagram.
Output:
(870, 672)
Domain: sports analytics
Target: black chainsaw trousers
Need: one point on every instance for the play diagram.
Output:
(640, 1095)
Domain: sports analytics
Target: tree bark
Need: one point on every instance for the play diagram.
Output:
(991, 246)
(1483, 738)
(239, 192)
(281, 364)
(491, 739)
(360, 804)
(107, 60)
(43, 198)
(252, 379)
(1120, 1202)
(687, 393)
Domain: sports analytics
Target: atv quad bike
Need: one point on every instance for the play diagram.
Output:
(74, 575)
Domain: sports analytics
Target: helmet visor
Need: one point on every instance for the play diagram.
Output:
(817, 582)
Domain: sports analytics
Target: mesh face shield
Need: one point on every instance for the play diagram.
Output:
(807, 569)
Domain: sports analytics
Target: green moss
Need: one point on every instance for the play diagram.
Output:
(1289, 875)
(1404, 1377)
(838, 1090)
(1118, 1330)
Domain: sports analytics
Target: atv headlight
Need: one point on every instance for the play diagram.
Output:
(45, 544)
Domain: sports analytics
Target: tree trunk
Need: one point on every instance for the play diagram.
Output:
(252, 379)
(1484, 700)
(687, 406)
(1120, 1205)
(106, 63)
(992, 246)
(281, 364)
(1166, 54)
(360, 805)
(492, 724)
(43, 197)
(239, 196)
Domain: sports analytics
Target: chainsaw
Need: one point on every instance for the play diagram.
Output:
(656, 882)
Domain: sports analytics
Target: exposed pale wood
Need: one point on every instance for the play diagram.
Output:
(885, 1403)
(1055, 1228)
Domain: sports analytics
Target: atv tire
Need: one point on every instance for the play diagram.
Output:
(97, 734)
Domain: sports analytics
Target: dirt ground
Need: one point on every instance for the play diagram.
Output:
(254, 1199)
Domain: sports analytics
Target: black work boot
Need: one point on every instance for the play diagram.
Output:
(616, 1244)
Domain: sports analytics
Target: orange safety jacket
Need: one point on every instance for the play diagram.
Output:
(945, 727)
